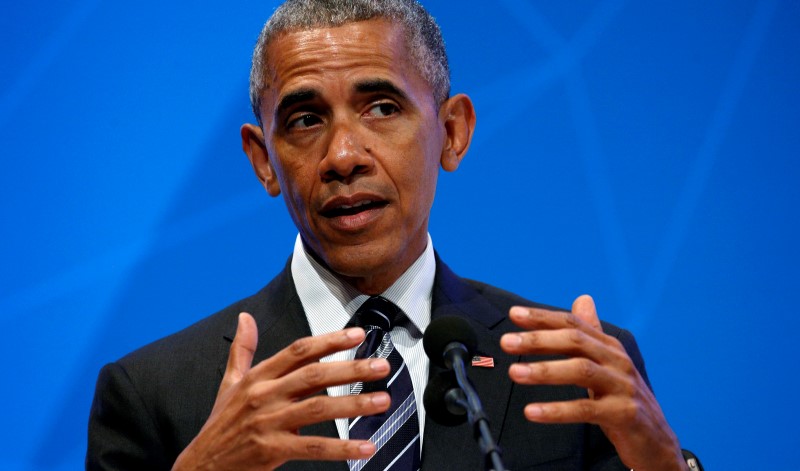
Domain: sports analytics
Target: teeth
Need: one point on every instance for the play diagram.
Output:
(360, 203)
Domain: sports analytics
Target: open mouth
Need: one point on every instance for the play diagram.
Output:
(349, 210)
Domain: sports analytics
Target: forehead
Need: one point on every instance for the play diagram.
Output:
(330, 57)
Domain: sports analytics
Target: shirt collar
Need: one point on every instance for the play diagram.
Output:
(329, 302)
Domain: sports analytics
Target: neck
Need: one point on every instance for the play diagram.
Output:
(375, 282)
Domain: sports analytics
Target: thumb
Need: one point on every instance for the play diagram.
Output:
(243, 348)
(584, 309)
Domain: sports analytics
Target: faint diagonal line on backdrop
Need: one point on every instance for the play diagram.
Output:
(700, 172)
(29, 76)
(565, 59)
(598, 182)
(554, 43)
(530, 82)
(115, 263)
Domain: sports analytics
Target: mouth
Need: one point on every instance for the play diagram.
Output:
(344, 209)
(354, 213)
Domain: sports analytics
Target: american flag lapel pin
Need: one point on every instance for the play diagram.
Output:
(483, 362)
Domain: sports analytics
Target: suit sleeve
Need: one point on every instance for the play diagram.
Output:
(122, 433)
(632, 348)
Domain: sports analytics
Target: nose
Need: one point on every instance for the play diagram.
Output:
(346, 156)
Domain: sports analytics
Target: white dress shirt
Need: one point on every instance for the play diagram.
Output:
(329, 304)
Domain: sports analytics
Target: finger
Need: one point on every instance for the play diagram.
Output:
(578, 371)
(243, 348)
(317, 376)
(583, 307)
(307, 350)
(532, 318)
(591, 411)
(321, 408)
(572, 342)
(326, 449)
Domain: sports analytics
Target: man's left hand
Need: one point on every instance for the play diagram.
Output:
(620, 401)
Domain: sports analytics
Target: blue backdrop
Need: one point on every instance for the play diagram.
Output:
(643, 152)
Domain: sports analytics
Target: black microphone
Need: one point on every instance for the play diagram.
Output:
(449, 338)
(444, 400)
(450, 342)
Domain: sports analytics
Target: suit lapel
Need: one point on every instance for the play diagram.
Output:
(454, 447)
(281, 320)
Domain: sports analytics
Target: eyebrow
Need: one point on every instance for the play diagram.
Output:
(380, 86)
(292, 98)
(365, 86)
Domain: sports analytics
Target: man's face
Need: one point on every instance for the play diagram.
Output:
(353, 139)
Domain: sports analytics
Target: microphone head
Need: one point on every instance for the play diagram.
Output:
(441, 400)
(444, 331)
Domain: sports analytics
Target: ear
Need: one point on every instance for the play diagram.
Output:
(458, 115)
(256, 150)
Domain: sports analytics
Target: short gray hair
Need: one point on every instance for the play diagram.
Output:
(423, 36)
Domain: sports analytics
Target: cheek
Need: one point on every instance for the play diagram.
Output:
(420, 176)
(298, 207)
(300, 193)
(429, 165)
(296, 182)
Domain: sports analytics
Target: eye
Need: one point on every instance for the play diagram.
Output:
(304, 121)
(382, 110)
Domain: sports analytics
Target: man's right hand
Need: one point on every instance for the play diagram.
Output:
(259, 409)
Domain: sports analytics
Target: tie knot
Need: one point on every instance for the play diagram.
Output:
(377, 312)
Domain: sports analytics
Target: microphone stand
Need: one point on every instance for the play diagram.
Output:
(472, 404)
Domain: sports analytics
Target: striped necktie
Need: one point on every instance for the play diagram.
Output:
(395, 432)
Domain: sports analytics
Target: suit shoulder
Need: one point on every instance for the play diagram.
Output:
(204, 338)
(504, 300)
(501, 297)
(155, 399)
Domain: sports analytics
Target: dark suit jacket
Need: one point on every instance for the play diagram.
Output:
(150, 404)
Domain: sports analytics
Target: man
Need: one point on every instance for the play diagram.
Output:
(354, 119)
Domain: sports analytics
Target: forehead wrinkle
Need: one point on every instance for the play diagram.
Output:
(323, 48)
(306, 58)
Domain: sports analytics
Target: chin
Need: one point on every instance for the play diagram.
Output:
(370, 270)
(357, 262)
